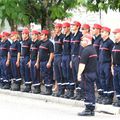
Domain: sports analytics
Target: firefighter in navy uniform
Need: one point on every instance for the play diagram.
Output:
(105, 61)
(97, 40)
(58, 59)
(24, 60)
(15, 50)
(66, 58)
(45, 60)
(116, 66)
(34, 71)
(88, 75)
(0, 65)
(5, 61)
(75, 58)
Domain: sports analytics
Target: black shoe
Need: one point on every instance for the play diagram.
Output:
(27, 88)
(99, 99)
(15, 87)
(36, 89)
(86, 112)
(70, 94)
(116, 103)
(48, 91)
(60, 93)
(1, 84)
(107, 101)
(67, 93)
(6, 86)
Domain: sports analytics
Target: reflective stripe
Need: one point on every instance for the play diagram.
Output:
(94, 55)
(36, 84)
(28, 82)
(42, 47)
(103, 48)
(48, 85)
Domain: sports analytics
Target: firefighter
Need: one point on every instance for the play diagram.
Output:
(106, 47)
(34, 71)
(24, 60)
(75, 58)
(97, 40)
(58, 58)
(45, 60)
(15, 50)
(116, 66)
(66, 58)
(88, 75)
(5, 61)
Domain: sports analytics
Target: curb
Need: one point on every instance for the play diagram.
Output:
(107, 109)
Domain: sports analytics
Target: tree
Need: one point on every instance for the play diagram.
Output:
(26, 11)
(96, 5)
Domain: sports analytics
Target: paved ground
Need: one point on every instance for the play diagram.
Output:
(22, 108)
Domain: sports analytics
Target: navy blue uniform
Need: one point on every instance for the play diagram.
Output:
(66, 58)
(58, 59)
(4, 48)
(45, 49)
(105, 67)
(75, 52)
(89, 58)
(116, 64)
(96, 45)
(34, 72)
(15, 48)
(25, 57)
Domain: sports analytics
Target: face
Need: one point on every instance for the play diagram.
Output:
(104, 34)
(57, 30)
(85, 31)
(34, 37)
(13, 37)
(95, 31)
(74, 28)
(4, 38)
(43, 36)
(66, 30)
(24, 36)
(117, 37)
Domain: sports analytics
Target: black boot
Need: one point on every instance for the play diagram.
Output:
(6, 85)
(15, 86)
(67, 93)
(1, 84)
(36, 89)
(27, 88)
(48, 91)
(107, 101)
(99, 99)
(70, 94)
(80, 95)
(116, 103)
(87, 112)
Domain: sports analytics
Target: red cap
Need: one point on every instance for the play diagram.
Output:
(46, 32)
(58, 25)
(66, 24)
(117, 30)
(25, 31)
(88, 36)
(106, 29)
(0, 36)
(35, 32)
(97, 26)
(5, 34)
(14, 33)
(76, 23)
(86, 26)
